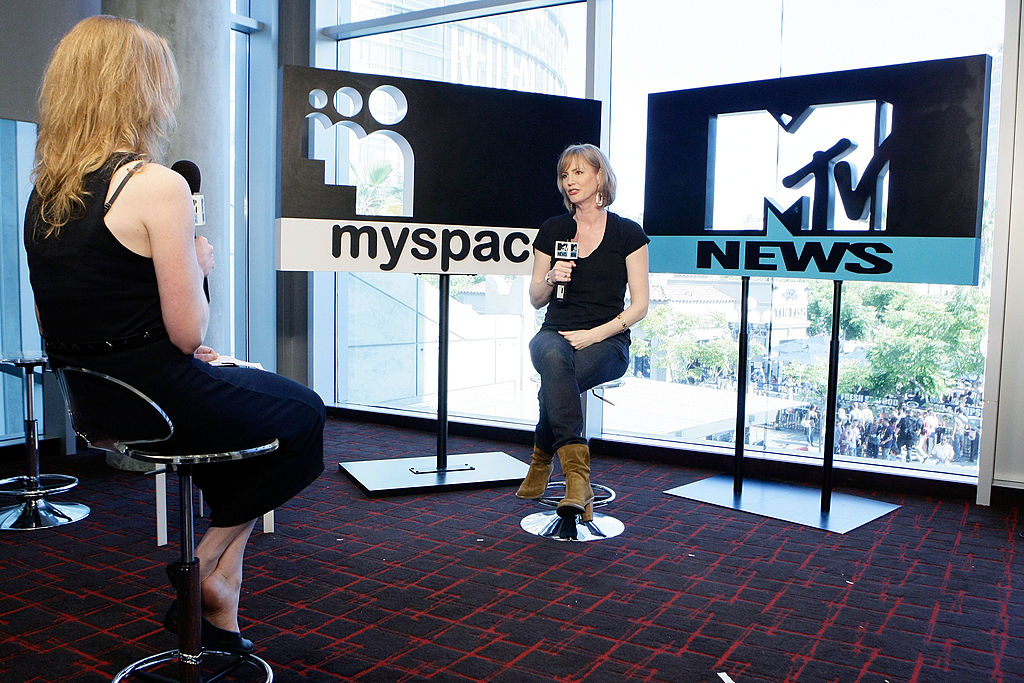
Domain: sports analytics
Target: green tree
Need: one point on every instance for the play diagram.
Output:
(925, 344)
(915, 342)
(855, 320)
(379, 191)
(671, 341)
(902, 364)
(810, 381)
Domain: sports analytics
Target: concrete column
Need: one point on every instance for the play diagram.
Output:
(199, 33)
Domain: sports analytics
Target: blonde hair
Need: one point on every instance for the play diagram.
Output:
(110, 85)
(596, 159)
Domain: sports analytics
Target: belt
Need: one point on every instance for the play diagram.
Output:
(132, 341)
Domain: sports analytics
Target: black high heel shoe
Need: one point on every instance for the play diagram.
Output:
(212, 637)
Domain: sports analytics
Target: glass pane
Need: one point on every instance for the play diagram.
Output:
(907, 352)
(18, 331)
(540, 51)
(238, 126)
(363, 10)
(387, 346)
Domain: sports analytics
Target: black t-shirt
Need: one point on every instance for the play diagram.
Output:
(598, 288)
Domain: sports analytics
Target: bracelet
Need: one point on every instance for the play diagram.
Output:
(547, 279)
(621, 321)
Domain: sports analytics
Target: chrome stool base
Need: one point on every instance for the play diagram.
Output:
(571, 528)
(35, 512)
(40, 514)
(141, 670)
(557, 528)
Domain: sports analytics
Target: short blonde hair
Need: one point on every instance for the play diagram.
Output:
(111, 84)
(596, 159)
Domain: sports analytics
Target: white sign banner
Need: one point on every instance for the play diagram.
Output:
(313, 244)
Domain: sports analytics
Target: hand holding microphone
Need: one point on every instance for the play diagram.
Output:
(204, 254)
(204, 251)
(566, 253)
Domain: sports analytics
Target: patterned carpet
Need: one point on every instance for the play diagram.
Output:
(447, 587)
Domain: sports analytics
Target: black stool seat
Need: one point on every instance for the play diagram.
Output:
(114, 416)
(33, 511)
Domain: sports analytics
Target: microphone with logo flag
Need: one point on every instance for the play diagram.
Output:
(190, 172)
(564, 251)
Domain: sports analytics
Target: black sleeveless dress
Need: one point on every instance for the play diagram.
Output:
(89, 288)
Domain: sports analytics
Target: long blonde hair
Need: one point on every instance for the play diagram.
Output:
(110, 85)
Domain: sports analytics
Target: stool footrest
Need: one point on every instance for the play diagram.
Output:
(171, 660)
(24, 487)
(602, 494)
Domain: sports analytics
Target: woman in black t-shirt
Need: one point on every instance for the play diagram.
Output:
(584, 340)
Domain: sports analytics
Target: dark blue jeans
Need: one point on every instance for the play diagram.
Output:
(565, 373)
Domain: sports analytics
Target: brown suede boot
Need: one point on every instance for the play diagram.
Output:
(575, 459)
(536, 481)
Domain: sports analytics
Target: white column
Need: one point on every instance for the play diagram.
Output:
(1001, 461)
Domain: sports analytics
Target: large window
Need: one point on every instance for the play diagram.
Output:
(387, 324)
(910, 353)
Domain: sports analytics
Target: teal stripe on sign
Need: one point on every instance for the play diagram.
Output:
(836, 256)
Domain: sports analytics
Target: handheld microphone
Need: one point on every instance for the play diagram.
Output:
(565, 251)
(190, 172)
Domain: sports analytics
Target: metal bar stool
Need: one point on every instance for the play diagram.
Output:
(114, 416)
(34, 511)
(589, 526)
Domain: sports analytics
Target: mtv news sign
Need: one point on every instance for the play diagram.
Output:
(872, 174)
(462, 176)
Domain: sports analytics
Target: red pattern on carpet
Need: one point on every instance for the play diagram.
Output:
(447, 587)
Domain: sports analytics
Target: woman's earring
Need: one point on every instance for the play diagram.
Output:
(600, 199)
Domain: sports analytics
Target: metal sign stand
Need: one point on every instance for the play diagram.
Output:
(779, 500)
(423, 474)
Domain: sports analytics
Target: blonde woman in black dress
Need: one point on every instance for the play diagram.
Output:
(117, 275)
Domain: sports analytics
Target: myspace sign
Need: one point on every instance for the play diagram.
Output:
(873, 174)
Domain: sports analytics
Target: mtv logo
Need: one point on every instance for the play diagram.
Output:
(918, 129)
(802, 166)
(869, 174)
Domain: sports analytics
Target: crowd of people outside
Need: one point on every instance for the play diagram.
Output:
(905, 433)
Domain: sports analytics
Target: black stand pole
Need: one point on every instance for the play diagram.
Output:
(741, 389)
(407, 475)
(444, 288)
(830, 400)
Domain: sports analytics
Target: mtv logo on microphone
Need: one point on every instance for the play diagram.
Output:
(567, 251)
(199, 206)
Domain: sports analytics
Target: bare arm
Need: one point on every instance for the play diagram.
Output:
(638, 280)
(639, 299)
(540, 290)
(154, 217)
